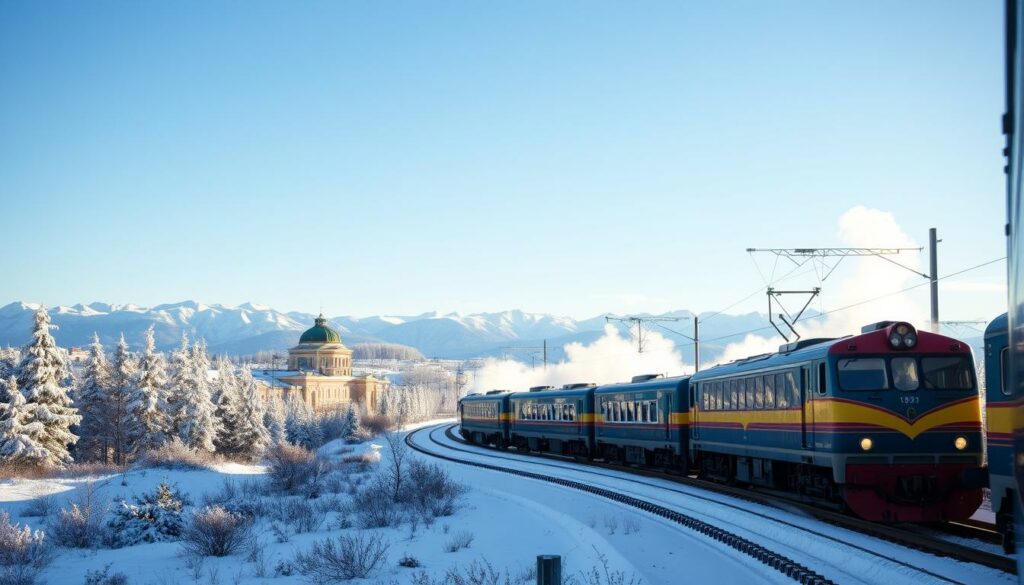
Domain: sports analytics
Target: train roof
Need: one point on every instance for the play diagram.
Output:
(553, 393)
(818, 348)
(490, 395)
(998, 326)
(653, 384)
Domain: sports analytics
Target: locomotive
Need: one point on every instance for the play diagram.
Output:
(885, 424)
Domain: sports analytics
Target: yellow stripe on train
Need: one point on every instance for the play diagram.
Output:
(831, 411)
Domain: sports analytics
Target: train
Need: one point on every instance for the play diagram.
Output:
(885, 424)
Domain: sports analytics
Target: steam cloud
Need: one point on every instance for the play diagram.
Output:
(613, 358)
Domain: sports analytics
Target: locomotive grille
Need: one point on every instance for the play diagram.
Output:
(917, 488)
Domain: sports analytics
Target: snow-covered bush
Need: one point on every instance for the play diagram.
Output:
(459, 541)
(81, 525)
(430, 491)
(40, 507)
(23, 553)
(103, 577)
(300, 514)
(175, 454)
(154, 517)
(373, 507)
(478, 572)
(293, 468)
(342, 559)
(215, 532)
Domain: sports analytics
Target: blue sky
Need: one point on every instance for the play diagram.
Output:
(569, 157)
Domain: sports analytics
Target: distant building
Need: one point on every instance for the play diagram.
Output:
(320, 373)
(78, 355)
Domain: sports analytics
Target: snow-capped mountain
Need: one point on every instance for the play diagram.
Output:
(249, 328)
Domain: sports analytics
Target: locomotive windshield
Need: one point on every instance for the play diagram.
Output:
(947, 373)
(904, 373)
(863, 374)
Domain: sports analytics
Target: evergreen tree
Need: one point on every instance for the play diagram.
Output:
(149, 404)
(19, 433)
(228, 399)
(9, 358)
(90, 399)
(198, 425)
(252, 435)
(274, 417)
(43, 376)
(352, 426)
(181, 368)
(300, 424)
(124, 428)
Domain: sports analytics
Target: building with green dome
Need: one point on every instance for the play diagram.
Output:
(320, 373)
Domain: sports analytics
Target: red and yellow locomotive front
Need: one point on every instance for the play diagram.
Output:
(901, 416)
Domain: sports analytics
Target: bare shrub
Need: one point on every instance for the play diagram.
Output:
(176, 455)
(430, 491)
(215, 532)
(373, 510)
(408, 561)
(630, 524)
(602, 575)
(292, 468)
(342, 559)
(23, 553)
(460, 541)
(81, 526)
(40, 507)
(478, 572)
(103, 577)
(302, 516)
(375, 424)
(611, 524)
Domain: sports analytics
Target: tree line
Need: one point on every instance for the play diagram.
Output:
(118, 407)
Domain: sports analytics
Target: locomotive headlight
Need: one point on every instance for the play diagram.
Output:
(866, 444)
(895, 339)
(960, 443)
(910, 340)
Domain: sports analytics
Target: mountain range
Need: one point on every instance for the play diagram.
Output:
(249, 328)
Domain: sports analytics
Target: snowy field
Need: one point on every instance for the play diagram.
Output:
(507, 521)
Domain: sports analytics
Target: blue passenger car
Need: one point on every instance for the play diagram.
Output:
(553, 420)
(643, 422)
(483, 418)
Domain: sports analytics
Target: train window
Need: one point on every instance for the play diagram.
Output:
(748, 384)
(769, 391)
(1004, 362)
(822, 379)
(947, 373)
(862, 374)
(792, 390)
(741, 394)
(904, 373)
(705, 396)
(655, 412)
(734, 396)
(718, 399)
(758, 393)
(781, 392)
(726, 399)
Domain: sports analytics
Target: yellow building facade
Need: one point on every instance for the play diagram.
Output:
(320, 373)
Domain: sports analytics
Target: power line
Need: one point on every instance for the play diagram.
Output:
(866, 301)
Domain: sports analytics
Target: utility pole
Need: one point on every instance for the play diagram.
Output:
(532, 351)
(696, 344)
(639, 322)
(933, 245)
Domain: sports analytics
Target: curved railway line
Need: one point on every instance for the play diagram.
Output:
(789, 567)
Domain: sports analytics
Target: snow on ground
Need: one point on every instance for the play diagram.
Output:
(511, 519)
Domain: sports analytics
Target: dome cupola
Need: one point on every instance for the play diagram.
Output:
(320, 333)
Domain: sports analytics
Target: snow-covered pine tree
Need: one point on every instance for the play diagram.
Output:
(198, 425)
(228, 399)
(149, 404)
(273, 419)
(19, 433)
(43, 377)
(253, 436)
(180, 372)
(122, 425)
(90, 398)
(9, 358)
(353, 428)
(301, 425)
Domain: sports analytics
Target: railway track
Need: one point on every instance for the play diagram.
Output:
(922, 542)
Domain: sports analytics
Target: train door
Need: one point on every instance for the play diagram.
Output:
(806, 408)
(694, 411)
(665, 406)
